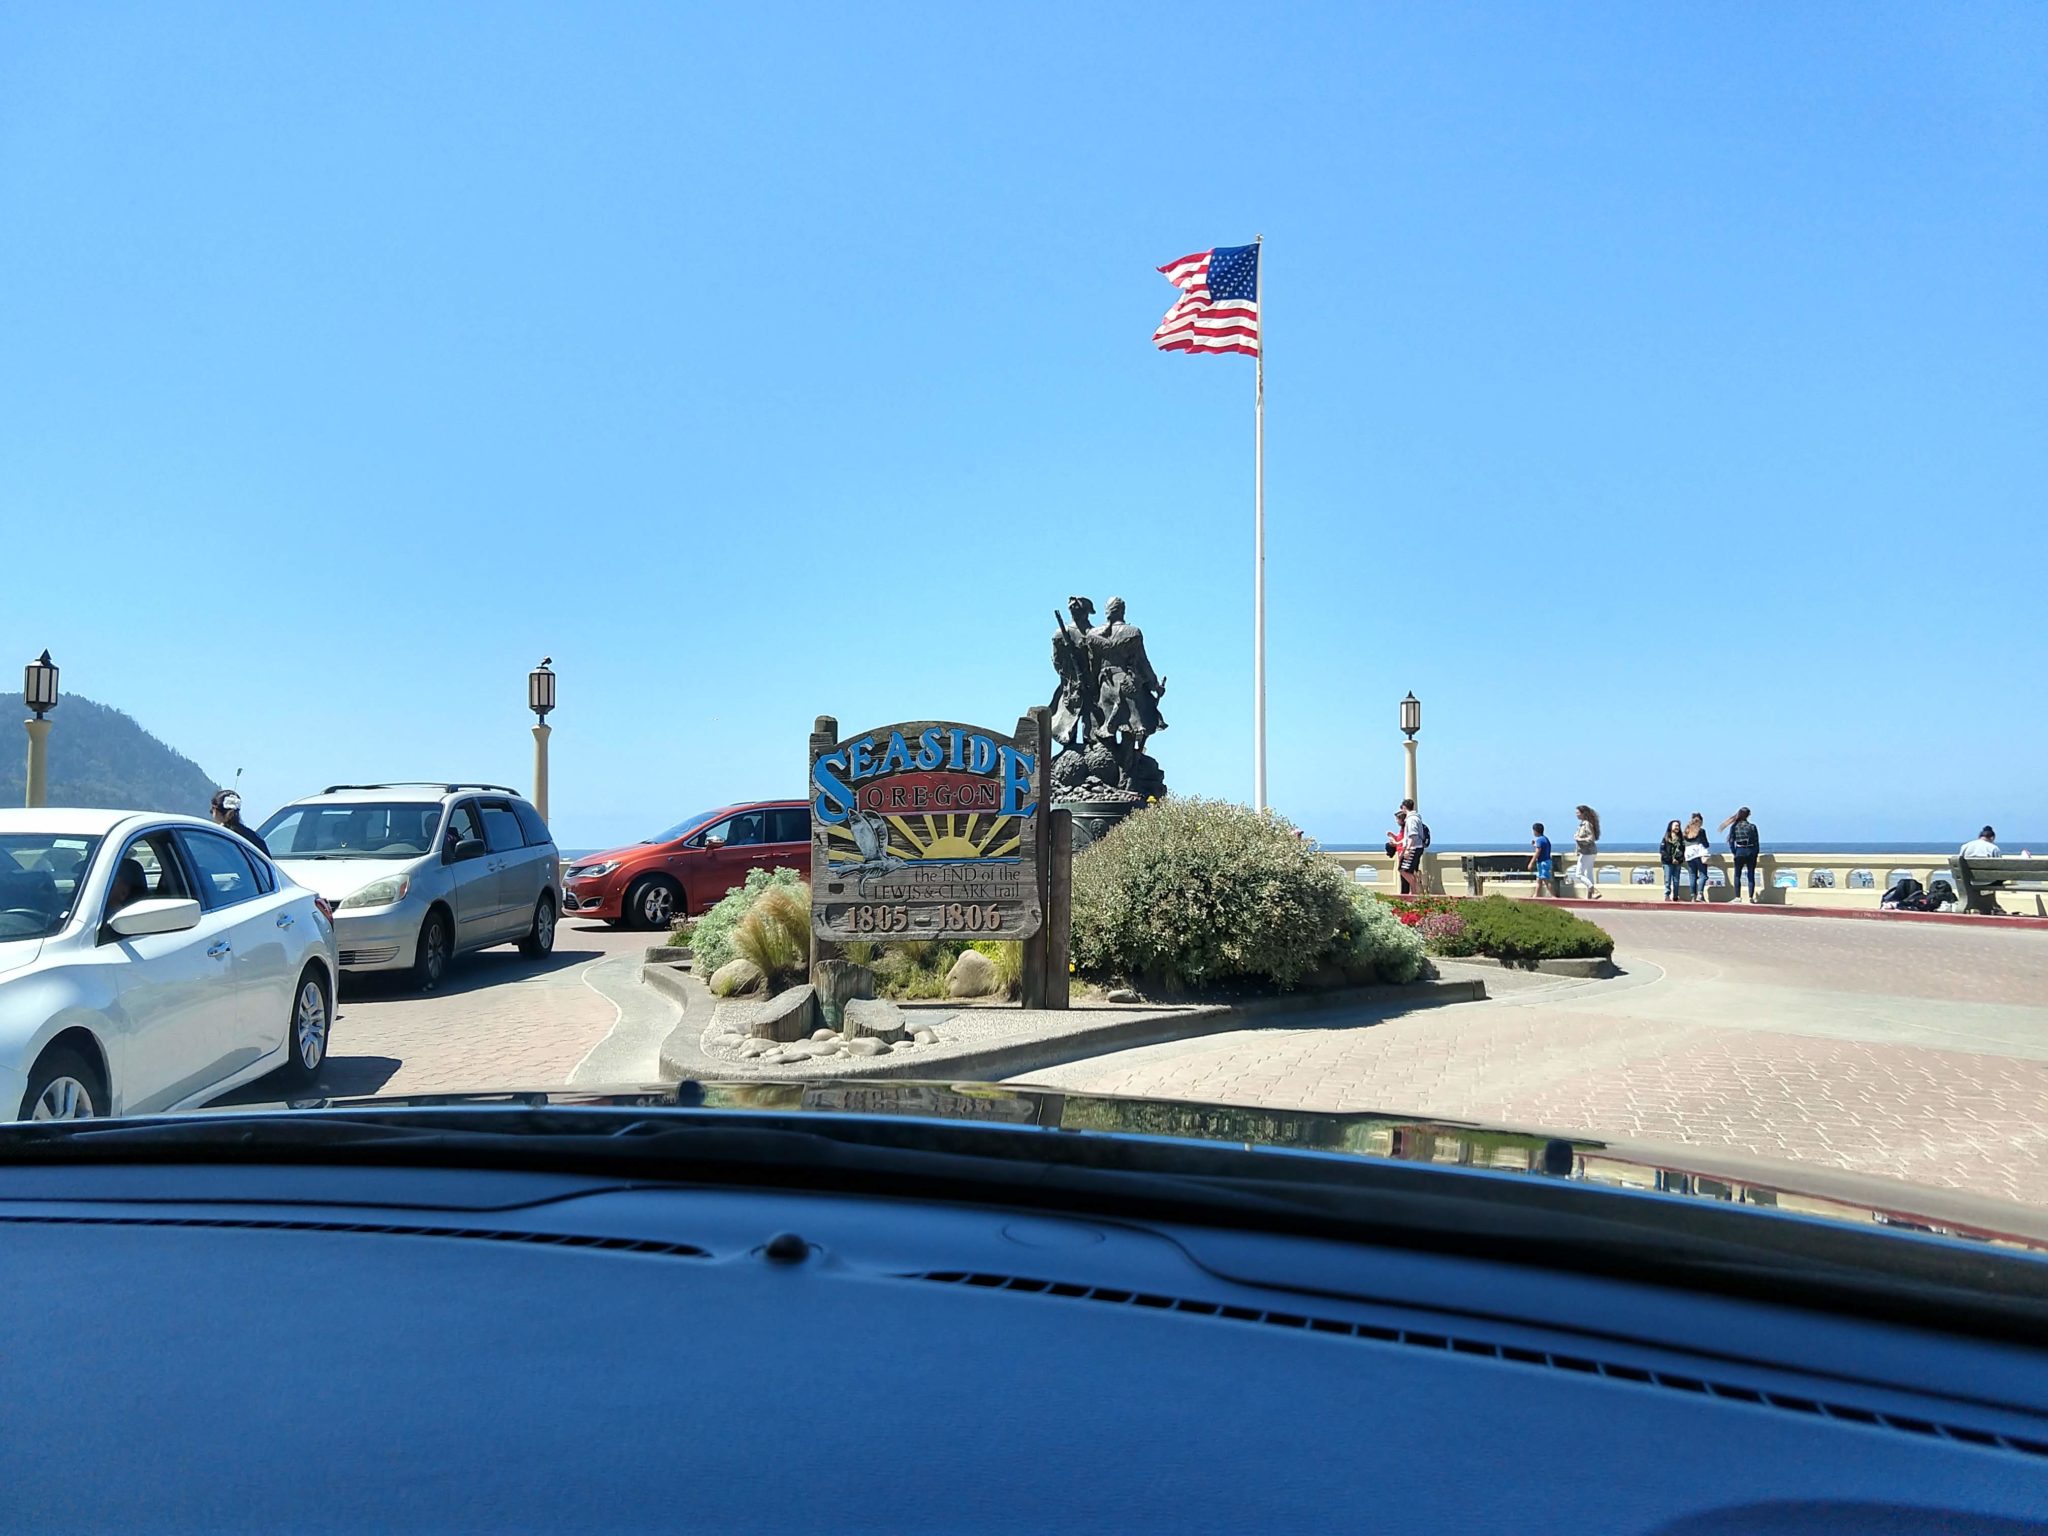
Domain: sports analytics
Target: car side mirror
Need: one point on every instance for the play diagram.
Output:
(155, 914)
(466, 848)
(713, 844)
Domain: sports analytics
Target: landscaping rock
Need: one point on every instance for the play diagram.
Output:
(875, 1018)
(973, 975)
(735, 977)
(1122, 995)
(864, 1047)
(787, 1016)
(924, 1034)
(752, 1047)
(824, 1034)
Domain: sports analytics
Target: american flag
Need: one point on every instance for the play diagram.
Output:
(1218, 309)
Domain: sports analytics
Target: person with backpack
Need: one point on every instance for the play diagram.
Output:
(1671, 854)
(1743, 844)
(1696, 855)
(1414, 843)
(1586, 843)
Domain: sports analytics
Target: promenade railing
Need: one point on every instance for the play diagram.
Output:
(1788, 878)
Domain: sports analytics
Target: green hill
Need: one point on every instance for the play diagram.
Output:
(101, 757)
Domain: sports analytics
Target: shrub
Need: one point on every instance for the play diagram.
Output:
(1194, 893)
(1444, 933)
(776, 936)
(711, 938)
(1376, 943)
(913, 968)
(1522, 932)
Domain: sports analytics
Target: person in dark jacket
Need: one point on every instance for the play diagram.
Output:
(1743, 844)
(227, 812)
(1671, 854)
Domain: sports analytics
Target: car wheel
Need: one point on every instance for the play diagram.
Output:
(63, 1086)
(654, 902)
(312, 1022)
(430, 958)
(540, 939)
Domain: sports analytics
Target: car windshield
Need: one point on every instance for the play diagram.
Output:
(682, 828)
(41, 874)
(1609, 718)
(356, 830)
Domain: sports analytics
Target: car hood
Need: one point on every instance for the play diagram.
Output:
(15, 953)
(630, 851)
(339, 878)
(1691, 1173)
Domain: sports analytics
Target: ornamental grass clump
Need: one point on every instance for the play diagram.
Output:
(711, 938)
(776, 936)
(1189, 894)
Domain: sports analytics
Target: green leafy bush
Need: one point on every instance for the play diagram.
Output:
(1197, 893)
(776, 936)
(711, 938)
(1375, 943)
(1523, 932)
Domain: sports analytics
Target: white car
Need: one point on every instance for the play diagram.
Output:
(150, 963)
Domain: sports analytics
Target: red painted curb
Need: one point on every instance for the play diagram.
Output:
(1744, 909)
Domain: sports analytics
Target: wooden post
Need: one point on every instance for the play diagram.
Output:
(1033, 982)
(824, 737)
(1059, 910)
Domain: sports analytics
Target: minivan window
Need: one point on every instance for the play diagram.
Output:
(790, 824)
(502, 832)
(463, 826)
(741, 831)
(354, 830)
(530, 823)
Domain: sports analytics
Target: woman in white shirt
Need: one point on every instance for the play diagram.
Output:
(1586, 843)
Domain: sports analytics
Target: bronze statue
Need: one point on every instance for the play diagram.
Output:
(1105, 707)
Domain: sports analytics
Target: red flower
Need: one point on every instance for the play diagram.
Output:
(1410, 918)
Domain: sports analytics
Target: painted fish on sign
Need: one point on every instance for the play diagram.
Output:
(925, 830)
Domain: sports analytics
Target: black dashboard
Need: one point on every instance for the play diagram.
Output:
(309, 1348)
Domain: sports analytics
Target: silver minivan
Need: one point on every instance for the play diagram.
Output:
(420, 873)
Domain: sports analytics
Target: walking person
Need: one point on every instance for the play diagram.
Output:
(1414, 844)
(227, 812)
(1586, 843)
(1696, 855)
(1539, 861)
(1744, 843)
(1671, 854)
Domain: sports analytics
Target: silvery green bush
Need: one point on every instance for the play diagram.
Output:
(711, 937)
(1376, 942)
(1200, 893)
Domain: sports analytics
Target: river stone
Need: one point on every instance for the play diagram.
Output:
(1121, 995)
(787, 1016)
(752, 1047)
(734, 977)
(973, 975)
(924, 1034)
(824, 1034)
(864, 1046)
(876, 1018)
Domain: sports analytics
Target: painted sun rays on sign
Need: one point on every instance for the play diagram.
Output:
(935, 838)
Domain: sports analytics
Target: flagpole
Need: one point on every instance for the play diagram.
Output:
(1259, 539)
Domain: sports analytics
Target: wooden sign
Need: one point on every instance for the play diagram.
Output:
(926, 830)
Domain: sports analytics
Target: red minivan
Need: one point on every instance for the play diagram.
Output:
(687, 868)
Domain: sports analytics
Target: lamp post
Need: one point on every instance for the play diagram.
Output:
(540, 698)
(1411, 722)
(39, 693)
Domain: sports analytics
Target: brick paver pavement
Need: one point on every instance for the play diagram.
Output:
(1918, 1053)
(499, 1020)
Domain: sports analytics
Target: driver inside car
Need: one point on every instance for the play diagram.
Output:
(130, 884)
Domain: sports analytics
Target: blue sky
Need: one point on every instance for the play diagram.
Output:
(1651, 389)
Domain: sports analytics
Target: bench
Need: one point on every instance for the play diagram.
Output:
(1978, 880)
(1480, 866)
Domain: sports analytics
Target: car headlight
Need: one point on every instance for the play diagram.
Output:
(591, 871)
(378, 893)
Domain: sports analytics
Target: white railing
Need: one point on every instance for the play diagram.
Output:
(1791, 878)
